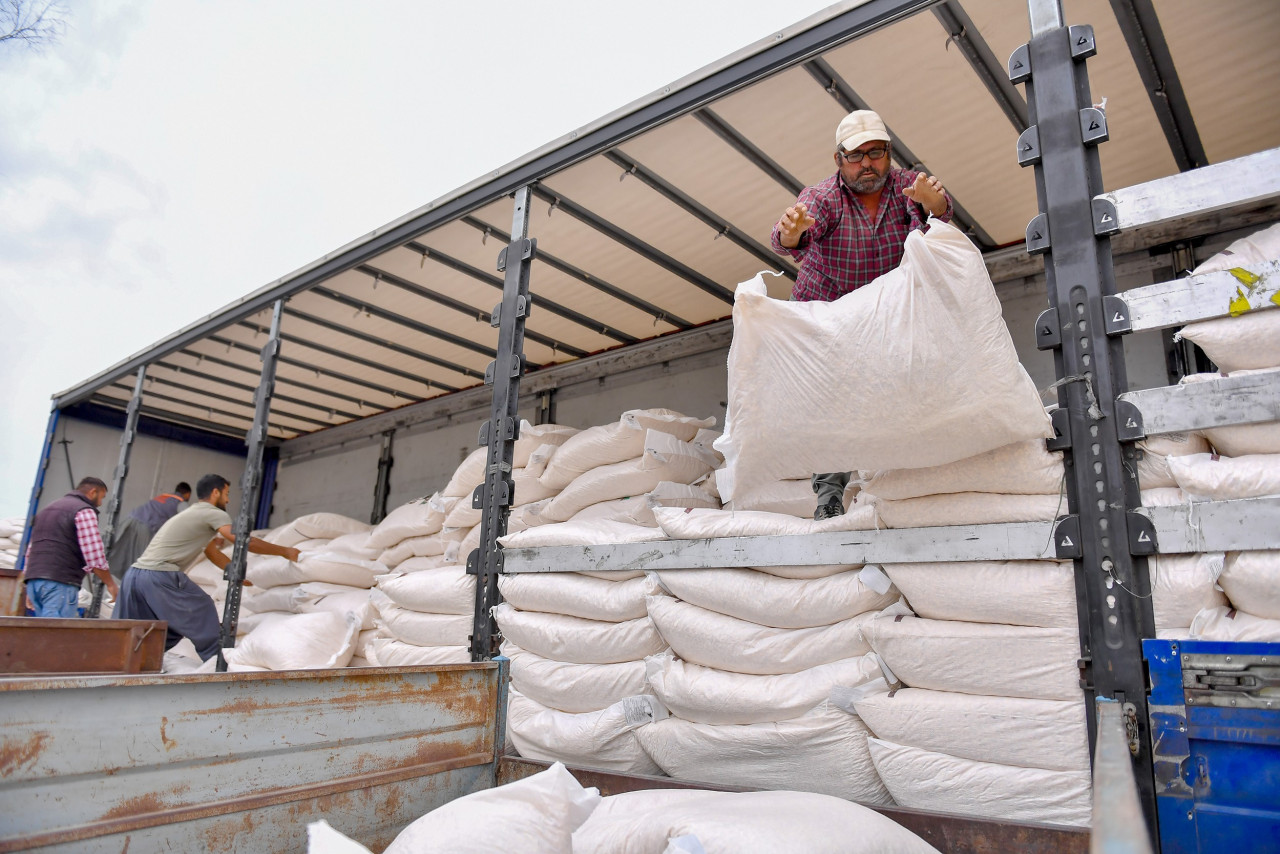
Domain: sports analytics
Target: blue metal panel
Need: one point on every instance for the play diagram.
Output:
(1217, 769)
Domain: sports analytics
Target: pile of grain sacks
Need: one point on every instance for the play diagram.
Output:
(11, 540)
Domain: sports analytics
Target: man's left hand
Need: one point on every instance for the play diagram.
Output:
(927, 191)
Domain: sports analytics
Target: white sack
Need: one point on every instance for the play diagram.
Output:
(823, 751)
(1252, 582)
(573, 687)
(605, 739)
(536, 436)
(979, 658)
(708, 696)
(389, 652)
(1048, 734)
(297, 642)
(323, 839)
(1249, 341)
(575, 595)
(642, 822)
(1014, 592)
(727, 643)
(927, 373)
(428, 546)
(272, 571)
(937, 782)
(536, 815)
(788, 497)
(1183, 585)
(526, 490)
(447, 590)
(418, 518)
(1208, 477)
(778, 602)
(614, 443)
(317, 596)
(591, 533)
(421, 629)
(969, 508)
(1153, 467)
(576, 640)
(421, 564)
(703, 524)
(1231, 624)
(327, 526)
(1023, 468)
(467, 476)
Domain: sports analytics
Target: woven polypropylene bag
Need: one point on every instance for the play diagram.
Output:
(916, 369)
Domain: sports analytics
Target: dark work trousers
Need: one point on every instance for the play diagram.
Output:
(830, 485)
(148, 594)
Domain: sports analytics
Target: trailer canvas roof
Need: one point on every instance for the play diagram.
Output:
(646, 219)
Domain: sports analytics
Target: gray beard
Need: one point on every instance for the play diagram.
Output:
(871, 184)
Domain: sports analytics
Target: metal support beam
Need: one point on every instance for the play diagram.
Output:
(223, 380)
(1203, 297)
(250, 483)
(494, 496)
(33, 504)
(231, 344)
(112, 516)
(1220, 402)
(382, 487)
(1142, 31)
(1102, 485)
(226, 398)
(748, 149)
(836, 86)
(370, 363)
(280, 381)
(371, 310)
(587, 279)
(978, 54)
(1245, 524)
(1245, 180)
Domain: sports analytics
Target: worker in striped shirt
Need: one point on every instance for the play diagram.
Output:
(65, 545)
(851, 229)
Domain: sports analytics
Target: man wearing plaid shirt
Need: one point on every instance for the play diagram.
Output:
(65, 545)
(851, 229)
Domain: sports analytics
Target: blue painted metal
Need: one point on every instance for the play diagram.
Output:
(270, 465)
(38, 487)
(1217, 770)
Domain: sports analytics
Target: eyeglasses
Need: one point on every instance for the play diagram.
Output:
(858, 156)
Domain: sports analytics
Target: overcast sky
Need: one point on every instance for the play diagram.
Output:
(164, 158)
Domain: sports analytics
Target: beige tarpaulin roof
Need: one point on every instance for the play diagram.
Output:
(647, 219)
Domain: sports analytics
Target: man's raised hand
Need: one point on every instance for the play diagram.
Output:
(927, 190)
(795, 222)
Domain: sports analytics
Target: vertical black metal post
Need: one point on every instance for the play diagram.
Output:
(1083, 327)
(33, 504)
(383, 487)
(112, 516)
(499, 433)
(249, 485)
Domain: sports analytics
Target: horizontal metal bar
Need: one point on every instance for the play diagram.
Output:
(282, 398)
(1216, 526)
(375, 310)
(334, 326)
(1014, 541)
(155, 395)
(100, 399)
(1199, 297)
(232, 344)
(991, 71)
(749, 150)
(337, 395)
(1220, 402)
(495, 282)
(635, 244)
(1245, 180)
(583, 276)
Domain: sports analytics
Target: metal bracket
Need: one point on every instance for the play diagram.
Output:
(517, 369)
(526, 252)
(1142, 534)
(1129, 422)
(1038, 235)
(1084, 664)
(1020, 64)
(503, 499)
(1066, 538)
(1105, 218)
(1239, 681)
(1083, 44)
(1060, 420)
(1093, 126)
(1115, 313)
(1048, 333)
(523, 307)
(509, 431)
(1029, 147)
(473, 561)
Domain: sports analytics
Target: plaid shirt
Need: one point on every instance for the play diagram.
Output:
(95, 554)
(843, 250)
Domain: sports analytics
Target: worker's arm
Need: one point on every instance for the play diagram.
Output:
(261, 547)
(215, 555)
(95, 553)
(928, 192)
(795, 221)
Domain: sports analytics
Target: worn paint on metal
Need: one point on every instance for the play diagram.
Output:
(238, 762)
(30, 645)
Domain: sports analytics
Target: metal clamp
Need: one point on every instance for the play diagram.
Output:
(1038, 235)
(526, 252)
(1066, 538)
(1115, 315)
(1083, 44)
(1239, 681)
(1060, 419)
(517, 369)
(523, 307)
(509, 431)
(1093, 126)
(1142, 534)
(1048, 332)
(1129, 422)
(1106, 220)
(1020, 65)
(1029, 147)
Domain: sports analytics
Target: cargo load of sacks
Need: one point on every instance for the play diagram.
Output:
(11, 540)
(551, 813)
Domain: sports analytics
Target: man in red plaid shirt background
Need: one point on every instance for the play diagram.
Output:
(65, 545)
(851, 229)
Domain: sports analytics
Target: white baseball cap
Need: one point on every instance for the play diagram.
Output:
(859, 128)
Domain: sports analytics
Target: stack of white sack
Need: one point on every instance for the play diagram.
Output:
(11, 540)
(551, 812)
(925, 373)
(759, 676)
(424, 615)
(992, 699)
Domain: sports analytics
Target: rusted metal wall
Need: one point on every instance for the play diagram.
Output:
(239, 762)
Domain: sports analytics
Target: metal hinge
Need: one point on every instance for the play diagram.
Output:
(1231, 681)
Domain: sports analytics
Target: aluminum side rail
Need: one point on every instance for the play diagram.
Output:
(1203, 297)
(1244, 524)
(1242, 181)
(1220, 402)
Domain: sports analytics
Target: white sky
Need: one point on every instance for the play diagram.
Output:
(165, 158)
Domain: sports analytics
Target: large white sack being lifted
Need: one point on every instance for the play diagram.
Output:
(916, 369)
